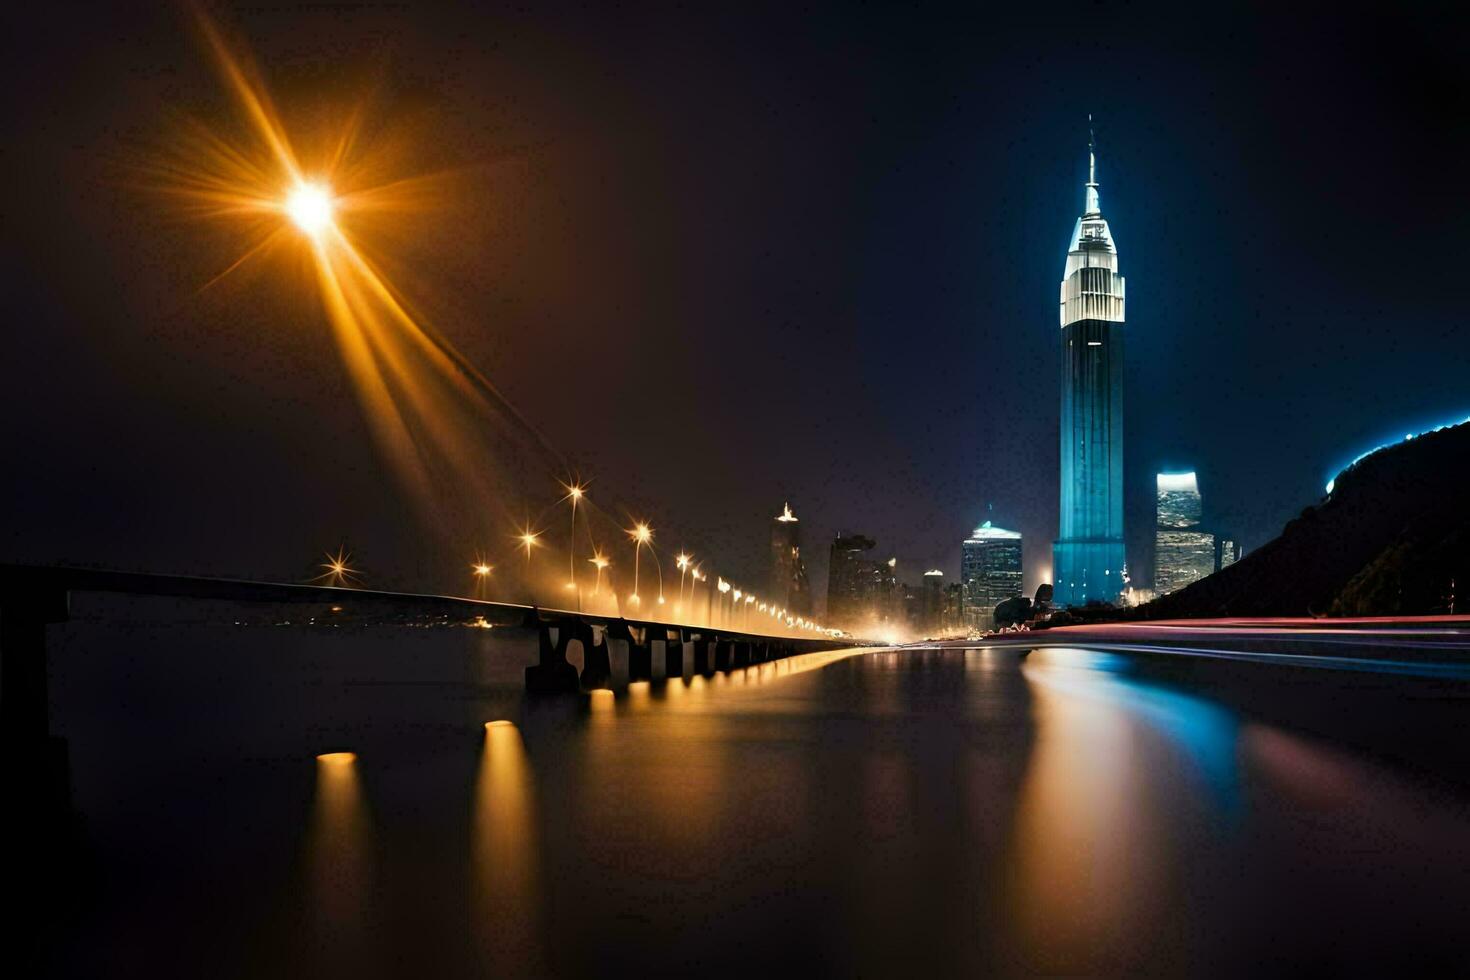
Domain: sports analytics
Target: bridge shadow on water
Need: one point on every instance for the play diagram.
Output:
(387, 801)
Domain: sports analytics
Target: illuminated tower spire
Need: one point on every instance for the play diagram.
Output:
(1092, 203)
(1088, 554)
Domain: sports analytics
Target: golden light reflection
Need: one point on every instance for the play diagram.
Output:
(638, 695)
(600, 702)
(338, 859)
(504, 854)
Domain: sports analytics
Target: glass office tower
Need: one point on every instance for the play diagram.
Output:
(1088, 555)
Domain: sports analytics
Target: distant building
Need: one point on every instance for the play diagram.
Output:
(886, 597)
(954, 605)
(862, 591)
(789, 587)
(990, 573)
(931, 609)
(1227, 554)
(1183, 551)
(849, 579)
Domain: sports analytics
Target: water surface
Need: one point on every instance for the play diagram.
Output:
(915, 812)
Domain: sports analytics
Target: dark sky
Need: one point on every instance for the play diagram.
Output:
(728, 258)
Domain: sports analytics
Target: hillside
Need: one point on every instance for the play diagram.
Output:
(1389, 540)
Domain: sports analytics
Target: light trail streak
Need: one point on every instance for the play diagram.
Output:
(1408, 668)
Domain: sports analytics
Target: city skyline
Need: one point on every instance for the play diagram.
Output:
(974, 229)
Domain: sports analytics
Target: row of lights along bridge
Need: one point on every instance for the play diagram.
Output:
(698, 602)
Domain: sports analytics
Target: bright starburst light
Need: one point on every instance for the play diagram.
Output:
(327, 195)
(310, 206)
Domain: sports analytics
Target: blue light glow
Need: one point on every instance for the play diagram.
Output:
(1332, 483)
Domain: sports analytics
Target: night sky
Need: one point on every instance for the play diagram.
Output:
(724, 259)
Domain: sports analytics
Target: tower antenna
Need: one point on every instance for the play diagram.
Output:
(1092, 202)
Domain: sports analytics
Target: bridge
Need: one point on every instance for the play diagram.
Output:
(34, 597)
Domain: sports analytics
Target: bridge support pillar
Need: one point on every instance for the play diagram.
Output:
(742, 654)
(596, 663)
(552, 674)
(723, 658)
(701, 654)
(35, 760)
(673, 655)
(640, 655)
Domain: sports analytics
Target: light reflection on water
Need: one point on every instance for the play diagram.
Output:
(1202, 730)
(338, 852)
(504, 852)
(1093, 841)
(942, 812)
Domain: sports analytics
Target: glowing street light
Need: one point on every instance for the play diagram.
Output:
(528, 539)
(339, 570)
(575, 493)
(309, 206)
(482, 572)
(683, 562)
(641, 534)
(601, 562)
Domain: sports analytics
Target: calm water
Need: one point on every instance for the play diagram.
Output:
(947, 812)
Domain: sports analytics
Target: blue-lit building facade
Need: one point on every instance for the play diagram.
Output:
(1088, 556)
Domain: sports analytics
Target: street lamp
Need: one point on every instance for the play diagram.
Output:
(575, 493)
(482, 575)
(683, 562)
(339, 570)
(641, 534)
(601, 562)
(528, 539)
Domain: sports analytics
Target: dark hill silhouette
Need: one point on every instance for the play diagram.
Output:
(1390, 539)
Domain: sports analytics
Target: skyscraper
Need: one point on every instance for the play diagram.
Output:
(1183, 552)
(788, 587)
(990, 572)
(850, 580)
(931, 617)
(1088, 555)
